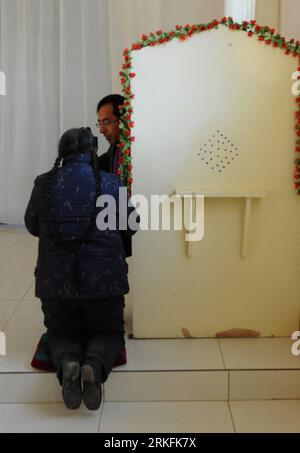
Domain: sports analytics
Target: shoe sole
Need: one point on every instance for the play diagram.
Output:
(71, 390)
(92, 392)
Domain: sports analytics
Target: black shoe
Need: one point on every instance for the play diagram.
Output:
(91, 387)
(71, 389)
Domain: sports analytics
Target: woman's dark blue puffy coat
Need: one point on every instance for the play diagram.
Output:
(70, 269)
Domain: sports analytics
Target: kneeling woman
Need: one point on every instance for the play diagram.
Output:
(81, 272)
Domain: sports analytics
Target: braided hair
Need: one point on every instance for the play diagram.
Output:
(73, 141)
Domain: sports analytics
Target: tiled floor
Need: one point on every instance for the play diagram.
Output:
(166, 386)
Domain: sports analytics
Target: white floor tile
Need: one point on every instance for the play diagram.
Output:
(165, 417)
(7, 308)
(46, 418)
(17, 230)
(268, 385)
(18, 388)
(28, 316)
(18, 257)
(259, 353)
(3, 227)
(14, 287)
(175, 354)
(167, 386)
(20, 348)
(16, 240)
(30, 295)
(266, 416)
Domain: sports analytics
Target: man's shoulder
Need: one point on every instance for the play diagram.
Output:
(108, 153)
(104, 161)
(104, 155)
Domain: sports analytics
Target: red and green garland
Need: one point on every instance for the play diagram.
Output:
(264, 34)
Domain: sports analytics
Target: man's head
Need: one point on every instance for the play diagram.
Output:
(108, 117)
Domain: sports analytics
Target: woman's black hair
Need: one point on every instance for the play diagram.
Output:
(74, 141)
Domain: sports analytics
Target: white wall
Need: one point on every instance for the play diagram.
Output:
(129, 19)
(268, 13)
(290, 18)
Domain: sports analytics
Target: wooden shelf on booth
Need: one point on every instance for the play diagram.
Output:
(247, 195)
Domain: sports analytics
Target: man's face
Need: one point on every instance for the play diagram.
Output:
(108, 124)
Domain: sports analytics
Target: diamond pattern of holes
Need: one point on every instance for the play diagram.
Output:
(219, 152)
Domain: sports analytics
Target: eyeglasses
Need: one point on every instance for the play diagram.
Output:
(106, 123)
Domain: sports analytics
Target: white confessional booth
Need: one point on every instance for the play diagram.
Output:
(214, 116)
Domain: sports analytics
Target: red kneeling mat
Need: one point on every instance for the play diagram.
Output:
(42, 359)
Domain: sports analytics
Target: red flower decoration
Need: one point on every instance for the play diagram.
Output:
(136, 46)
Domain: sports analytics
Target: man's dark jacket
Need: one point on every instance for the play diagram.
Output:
(70, 268)
(108, 162)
